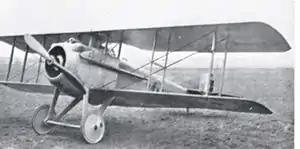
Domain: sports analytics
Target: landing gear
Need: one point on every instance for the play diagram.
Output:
(92, 125)
(93, 128)
(39, 125)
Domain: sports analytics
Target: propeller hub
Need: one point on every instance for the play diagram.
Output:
(49, 62)
(58, 55)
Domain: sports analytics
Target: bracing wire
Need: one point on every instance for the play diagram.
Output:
(184, 58)
(167, 65)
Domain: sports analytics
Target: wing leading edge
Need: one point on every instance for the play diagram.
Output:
(133, 98)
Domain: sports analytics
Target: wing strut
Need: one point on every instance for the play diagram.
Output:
(91, 41)
(24, 63)
(11, 59)
(106, 43)
(212, 50)
(224, 65)
(152, 57)
(40, 60)
(120, 44)
(166, 61)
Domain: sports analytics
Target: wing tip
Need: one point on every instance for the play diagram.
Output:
(264, 110)
(255, 107)
(285, 44)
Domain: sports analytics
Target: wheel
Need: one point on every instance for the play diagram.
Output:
(93, 128)
(38, 124)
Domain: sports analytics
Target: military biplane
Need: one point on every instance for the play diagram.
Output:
(73, 59)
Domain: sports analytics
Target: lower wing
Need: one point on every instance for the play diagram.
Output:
(28, 87)
(133, 98)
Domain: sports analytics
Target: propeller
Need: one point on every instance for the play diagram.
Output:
(38, 48)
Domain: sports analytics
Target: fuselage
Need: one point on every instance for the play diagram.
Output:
(80, 61)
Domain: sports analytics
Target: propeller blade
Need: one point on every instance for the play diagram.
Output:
(37, 47)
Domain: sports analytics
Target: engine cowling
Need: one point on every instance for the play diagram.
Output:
(57, 77)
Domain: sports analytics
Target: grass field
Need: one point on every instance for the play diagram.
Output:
(167, 128)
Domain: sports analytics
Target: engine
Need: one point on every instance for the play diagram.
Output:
(57, 77)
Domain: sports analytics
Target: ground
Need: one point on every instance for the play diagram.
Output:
(168, 128)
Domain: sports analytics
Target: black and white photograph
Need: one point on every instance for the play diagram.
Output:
(217, 74)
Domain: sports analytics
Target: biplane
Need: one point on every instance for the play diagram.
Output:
(73, 59)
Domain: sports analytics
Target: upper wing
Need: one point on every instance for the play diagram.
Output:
(133, 98)
(233, 37)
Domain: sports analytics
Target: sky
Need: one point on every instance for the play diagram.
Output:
(35, 16)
